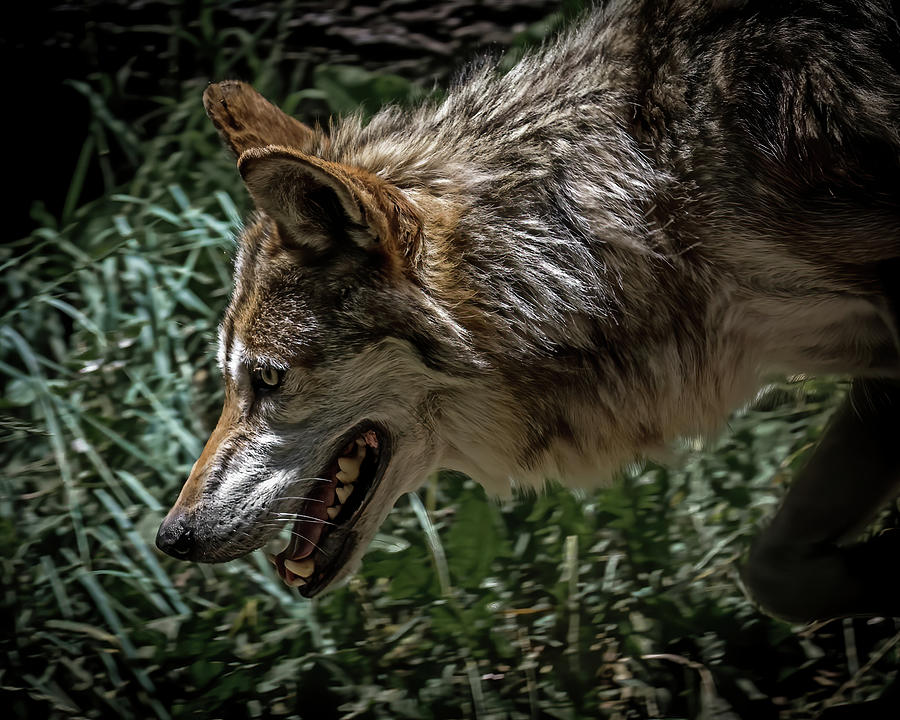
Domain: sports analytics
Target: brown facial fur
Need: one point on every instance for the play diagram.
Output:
(192, 492)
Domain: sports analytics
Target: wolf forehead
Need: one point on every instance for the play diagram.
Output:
(278, 307)
(298, 307)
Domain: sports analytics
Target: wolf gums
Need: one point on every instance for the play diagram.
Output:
(558, 269)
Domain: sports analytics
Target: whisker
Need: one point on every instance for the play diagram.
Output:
(306, 479)
(306, 539)
(271, 525)
(298, 516)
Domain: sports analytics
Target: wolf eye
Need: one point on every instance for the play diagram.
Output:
(267, 377)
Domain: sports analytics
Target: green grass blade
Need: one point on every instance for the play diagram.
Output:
(434, 543)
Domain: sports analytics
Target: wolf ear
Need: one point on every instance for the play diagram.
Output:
(308, 196)
(245, 119)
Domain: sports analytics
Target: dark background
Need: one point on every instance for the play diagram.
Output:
(137, 51)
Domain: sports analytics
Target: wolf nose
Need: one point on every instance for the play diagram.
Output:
(176, 537)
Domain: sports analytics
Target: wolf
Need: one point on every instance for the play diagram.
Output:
(555, 270)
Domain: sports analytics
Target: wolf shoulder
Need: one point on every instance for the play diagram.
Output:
(779, 126)
(792, 105)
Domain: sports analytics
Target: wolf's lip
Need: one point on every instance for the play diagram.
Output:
(335, 504)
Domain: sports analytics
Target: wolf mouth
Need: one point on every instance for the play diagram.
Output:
(322, 531)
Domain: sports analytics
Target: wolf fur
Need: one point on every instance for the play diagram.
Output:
(562, 268)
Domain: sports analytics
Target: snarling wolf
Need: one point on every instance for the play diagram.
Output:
(558, 269)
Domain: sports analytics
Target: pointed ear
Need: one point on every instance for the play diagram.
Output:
(245, 119)
(308, 197)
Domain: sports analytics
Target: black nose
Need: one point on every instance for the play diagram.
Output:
(176, 537)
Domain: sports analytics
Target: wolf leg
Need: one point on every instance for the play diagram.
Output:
(796, 568)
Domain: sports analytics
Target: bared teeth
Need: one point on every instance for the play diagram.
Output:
(349, 469)
(333, 511)
(304, 568)
(343, 492)
(361, 441)
(296, 582)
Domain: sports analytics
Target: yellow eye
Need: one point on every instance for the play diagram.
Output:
(267, 378)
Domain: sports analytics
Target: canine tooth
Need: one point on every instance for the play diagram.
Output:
(361, 441)
(333, 511)
(350, 468)
(297, 582)
(272, 559)
(343, 492)
(303, 568)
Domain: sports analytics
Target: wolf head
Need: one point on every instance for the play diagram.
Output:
(329, 351)
(419, 293)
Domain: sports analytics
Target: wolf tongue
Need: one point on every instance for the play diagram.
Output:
(302, 547)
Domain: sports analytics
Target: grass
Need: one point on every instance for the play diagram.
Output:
(623, 603)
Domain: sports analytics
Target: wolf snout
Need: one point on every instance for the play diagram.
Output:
(176, 537)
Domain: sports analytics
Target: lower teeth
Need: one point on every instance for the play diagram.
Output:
(304, 568)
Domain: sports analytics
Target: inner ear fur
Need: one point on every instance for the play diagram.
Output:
(282, 182)
(245, 119)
